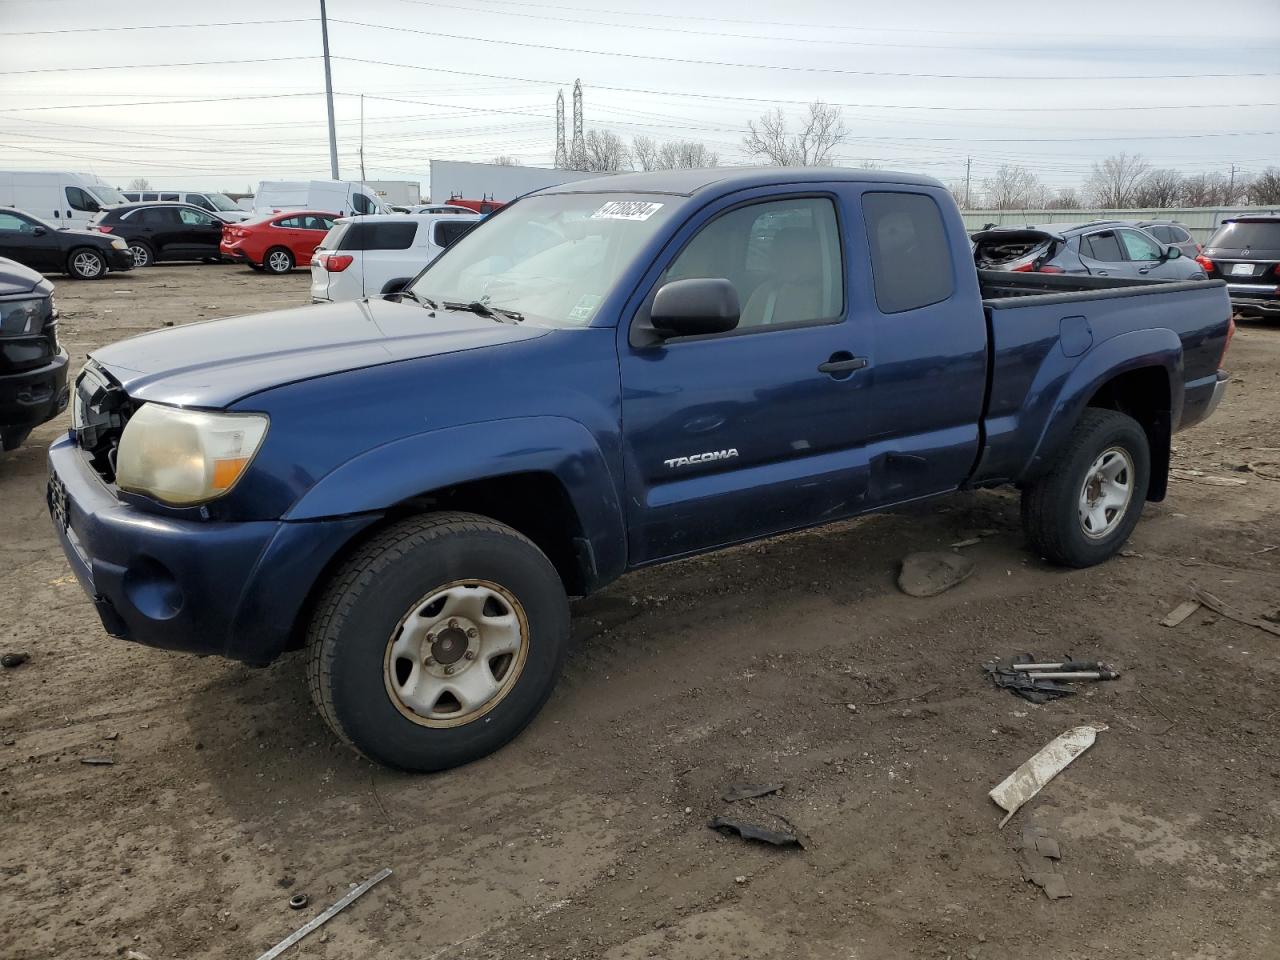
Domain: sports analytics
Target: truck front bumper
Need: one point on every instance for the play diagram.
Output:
(232, 589)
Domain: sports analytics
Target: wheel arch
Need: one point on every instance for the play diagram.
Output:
(1120, 374)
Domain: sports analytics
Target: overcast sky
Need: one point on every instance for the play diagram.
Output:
(924, 84)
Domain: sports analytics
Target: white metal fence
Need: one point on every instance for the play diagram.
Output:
(1201, 221)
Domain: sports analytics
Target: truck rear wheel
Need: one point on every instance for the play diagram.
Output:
(1085, 506)
(438, 641)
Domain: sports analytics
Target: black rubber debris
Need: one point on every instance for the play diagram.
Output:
(752, 831)
(745, 791)
(11, 660)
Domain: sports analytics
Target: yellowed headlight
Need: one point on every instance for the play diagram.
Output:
(185, 457)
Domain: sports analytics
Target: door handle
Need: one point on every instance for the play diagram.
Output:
(842, 363)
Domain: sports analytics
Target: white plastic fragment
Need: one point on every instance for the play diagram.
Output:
(1050, 760)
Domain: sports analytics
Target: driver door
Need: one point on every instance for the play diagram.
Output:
(736, 435)
(1146, 256)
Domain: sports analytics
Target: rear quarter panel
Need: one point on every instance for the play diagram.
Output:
(1051, 354)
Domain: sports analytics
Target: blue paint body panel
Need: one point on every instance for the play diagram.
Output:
(375, 405)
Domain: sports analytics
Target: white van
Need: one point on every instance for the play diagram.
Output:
(346, 198)
(216, 203)
(373, 256)
(62, 199)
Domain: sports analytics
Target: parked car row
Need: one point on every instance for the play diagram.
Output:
(375, 256)
(1100, 248)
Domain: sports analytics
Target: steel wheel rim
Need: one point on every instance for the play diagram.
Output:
(279, 261)
(87, 264)
(456, 653)
(140, 256)
(1106, 493)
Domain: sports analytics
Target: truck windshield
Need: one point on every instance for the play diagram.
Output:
(551, 258)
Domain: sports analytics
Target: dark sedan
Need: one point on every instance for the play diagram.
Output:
(84, 254)
(33, 366)
(163, 231)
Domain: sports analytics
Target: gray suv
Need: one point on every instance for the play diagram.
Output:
(1102, 248)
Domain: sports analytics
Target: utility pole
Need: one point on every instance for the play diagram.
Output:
(968, 161)
(361, 139)
(1231, 190)
(328, 93)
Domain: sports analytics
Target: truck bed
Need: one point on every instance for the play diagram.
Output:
(1052, 336)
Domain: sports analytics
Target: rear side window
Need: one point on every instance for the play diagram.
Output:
(377, 236)
(1178, 235)
(157, 217)
(171, 197)
(1104, 246)
(291, 223)
(447, 233)
(1161, 233)
(910, 258)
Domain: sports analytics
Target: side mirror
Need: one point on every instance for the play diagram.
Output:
(689, 308)
(1172, 253)
(39, 232)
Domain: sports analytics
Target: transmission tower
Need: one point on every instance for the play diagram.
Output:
(578, 150)
(562, 155)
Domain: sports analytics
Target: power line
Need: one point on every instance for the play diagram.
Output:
(161, 103)
(1076, 78)
(155, 26)
(153, 66)
(743, 36)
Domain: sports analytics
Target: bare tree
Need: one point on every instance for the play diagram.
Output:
(1159, 188)
(1265, 188)
(1013, 187)
(605, 152)
(685, 155)
(957, 190)
(644, 152)
(821, 131)
(1114, 183)
(1065, 199)
(505, 160)
(1205, 190)
(139, 183)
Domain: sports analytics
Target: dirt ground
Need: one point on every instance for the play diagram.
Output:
(797, 660)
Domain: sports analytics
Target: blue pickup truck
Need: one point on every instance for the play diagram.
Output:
(600, 377)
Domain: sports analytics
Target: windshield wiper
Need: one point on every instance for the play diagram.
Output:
(425, 301)
(482, 309)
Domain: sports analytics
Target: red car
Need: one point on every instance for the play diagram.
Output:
(277, 243)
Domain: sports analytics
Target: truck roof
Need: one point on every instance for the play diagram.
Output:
(686, 183)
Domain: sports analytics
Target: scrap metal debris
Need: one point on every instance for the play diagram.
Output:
(745, 791)
(97, 761)
(354, 894)
(1050, 760)
(1180, 613)
(1231, 613)
(932, 572)
(1041, 682)
(1196, 476)
(751, 831)
(1039, 855)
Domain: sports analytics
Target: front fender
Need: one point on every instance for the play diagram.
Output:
(394, 472)
(1156, 347)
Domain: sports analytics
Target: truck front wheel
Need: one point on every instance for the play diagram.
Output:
(1085, 506)
(437, 641)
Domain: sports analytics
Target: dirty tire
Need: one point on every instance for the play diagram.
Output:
(278, 260)
(359, 612)
(1051, 505)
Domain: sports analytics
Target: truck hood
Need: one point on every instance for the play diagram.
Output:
(214, 363)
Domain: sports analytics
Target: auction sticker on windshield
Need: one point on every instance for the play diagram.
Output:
(627, 210)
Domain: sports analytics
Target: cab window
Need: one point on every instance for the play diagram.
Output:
(910, 258)
(361, 204)
(782, 256)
